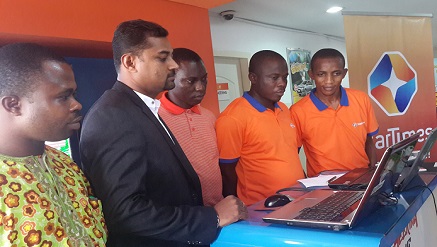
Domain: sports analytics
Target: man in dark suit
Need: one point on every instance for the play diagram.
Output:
(150, 193)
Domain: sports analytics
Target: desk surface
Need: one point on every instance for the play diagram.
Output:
(379, 229)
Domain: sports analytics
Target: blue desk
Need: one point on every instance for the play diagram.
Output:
(409, 221)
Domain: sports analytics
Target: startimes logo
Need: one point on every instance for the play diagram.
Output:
(392, 83)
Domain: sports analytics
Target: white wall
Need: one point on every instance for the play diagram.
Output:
(237, 38)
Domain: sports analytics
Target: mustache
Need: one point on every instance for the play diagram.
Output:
(77, 114)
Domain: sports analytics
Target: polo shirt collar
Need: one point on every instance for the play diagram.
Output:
(344, 101)
(175, 109)
(256, 104)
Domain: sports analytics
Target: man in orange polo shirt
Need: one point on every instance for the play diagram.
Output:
(256, 139)
(334, 124)
(192, 124)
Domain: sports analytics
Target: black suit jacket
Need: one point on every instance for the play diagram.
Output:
(150, 193)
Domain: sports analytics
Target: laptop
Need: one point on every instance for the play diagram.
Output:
(348, 207)
(359, 178)
(356, 179)
(412, 169)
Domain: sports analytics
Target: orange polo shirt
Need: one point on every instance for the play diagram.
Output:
(194, 130)
(264, 144)
(334, 139)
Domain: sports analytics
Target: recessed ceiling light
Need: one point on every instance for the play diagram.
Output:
(334, 9)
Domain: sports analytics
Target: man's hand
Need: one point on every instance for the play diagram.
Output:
(230, 210)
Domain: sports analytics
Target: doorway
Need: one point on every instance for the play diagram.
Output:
(231, 77)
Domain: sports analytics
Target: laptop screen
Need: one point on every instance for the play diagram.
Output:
(398, 161)
(382, 183)
(410, 171)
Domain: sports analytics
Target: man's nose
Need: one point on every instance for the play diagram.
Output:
(199, 86)
(282, 82)
(330, 79)
(173, 65)
(76, 106)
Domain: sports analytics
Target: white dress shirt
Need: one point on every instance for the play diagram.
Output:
(153, 105)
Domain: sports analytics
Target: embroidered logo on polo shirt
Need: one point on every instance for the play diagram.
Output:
(358, 124)
(292, 125)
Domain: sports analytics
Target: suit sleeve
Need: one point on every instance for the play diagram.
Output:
(116, 160)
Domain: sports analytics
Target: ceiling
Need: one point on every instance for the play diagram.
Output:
(311, 15)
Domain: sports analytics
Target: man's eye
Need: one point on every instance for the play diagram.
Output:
(64, 97)
(163, 59)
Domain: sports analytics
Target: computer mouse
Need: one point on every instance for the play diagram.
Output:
(277, 200)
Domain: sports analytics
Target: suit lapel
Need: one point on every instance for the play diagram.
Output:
(175, 147)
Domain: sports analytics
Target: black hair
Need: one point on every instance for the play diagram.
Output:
(131, 37)
(21, 64)
(327, 53)
(258, 58)
(185, 54)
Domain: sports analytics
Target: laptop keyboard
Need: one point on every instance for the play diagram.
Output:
(331, 207)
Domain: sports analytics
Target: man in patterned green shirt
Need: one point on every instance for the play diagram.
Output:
(45, 198)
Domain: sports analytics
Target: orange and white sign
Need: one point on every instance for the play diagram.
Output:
(223, 91)
(391, 58)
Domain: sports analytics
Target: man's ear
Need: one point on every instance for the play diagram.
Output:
(11, 104)
(252, 78)
(310, 73)
(345, 72)
(128, 61)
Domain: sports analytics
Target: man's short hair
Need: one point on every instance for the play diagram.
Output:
(258, 58)
(21, 66)
(185, 54)
(327, 53)
(131, 37)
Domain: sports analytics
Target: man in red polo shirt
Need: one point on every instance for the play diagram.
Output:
(256, 139)
(192, 124)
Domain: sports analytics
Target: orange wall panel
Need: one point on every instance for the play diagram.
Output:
(96, 21)
(204, 3)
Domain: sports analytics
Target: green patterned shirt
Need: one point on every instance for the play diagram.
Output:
(47, 201)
